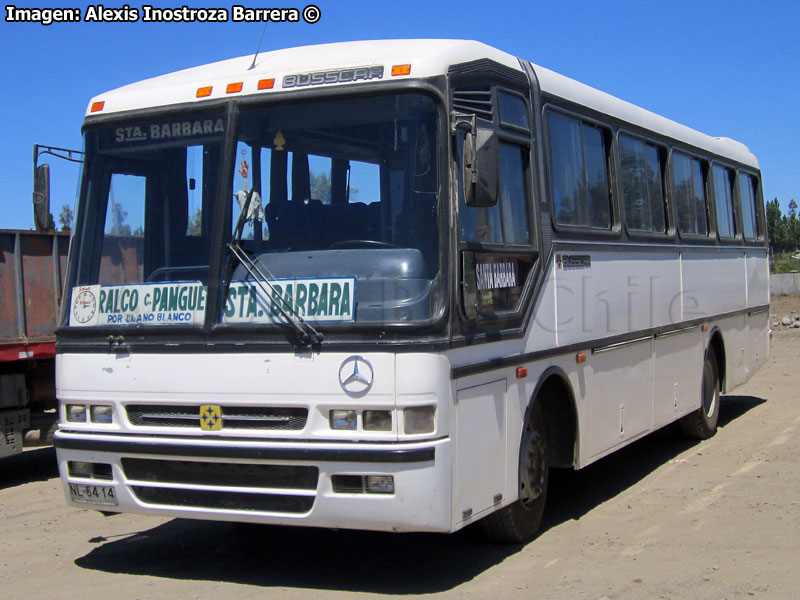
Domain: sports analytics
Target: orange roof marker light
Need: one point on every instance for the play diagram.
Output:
(401, 70)
(97, 106)
(204, 92)
(234, 88)
(266, 84)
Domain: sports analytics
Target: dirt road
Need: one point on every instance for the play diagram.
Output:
(664, 518)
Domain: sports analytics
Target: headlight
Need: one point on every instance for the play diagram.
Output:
(343, 419)
(377, 420)
(419, 419)
(101, 413)
(76, 413)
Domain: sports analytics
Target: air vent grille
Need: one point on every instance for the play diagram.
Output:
(474, 101)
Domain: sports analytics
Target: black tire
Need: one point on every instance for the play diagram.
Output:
(519, 522)
(702, 423)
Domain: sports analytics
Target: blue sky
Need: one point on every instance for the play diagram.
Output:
(725, 68)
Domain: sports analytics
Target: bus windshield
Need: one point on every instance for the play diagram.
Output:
(334, 201)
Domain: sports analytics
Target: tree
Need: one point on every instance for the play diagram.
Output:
(195, 226)
(783, 230)
(65, 218)
(792, 232)
(118, 216)
(321, 187)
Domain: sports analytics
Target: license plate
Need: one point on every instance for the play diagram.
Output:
(93, 494)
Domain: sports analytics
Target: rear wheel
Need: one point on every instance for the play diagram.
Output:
(520, 521)
(702, 424)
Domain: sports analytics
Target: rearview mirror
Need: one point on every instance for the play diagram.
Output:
(479, 167)
(41, 199)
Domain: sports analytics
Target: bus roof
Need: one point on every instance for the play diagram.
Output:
(554, 84)
(427, 57)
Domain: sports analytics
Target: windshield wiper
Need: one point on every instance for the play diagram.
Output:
(307, 335)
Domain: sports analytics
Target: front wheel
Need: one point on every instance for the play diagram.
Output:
(702, 424)
(520, 521)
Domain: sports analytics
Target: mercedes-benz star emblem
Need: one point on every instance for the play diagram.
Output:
(355, 376)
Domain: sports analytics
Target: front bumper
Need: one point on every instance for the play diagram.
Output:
(273, 482)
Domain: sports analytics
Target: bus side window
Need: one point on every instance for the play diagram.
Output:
(500, 235)
(579, 171)
(723, 201)
(507, 222)
(689, 187)
(642, 184)
(747, 196)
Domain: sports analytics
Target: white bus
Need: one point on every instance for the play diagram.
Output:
(388, 285)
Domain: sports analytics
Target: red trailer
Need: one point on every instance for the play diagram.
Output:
(32, 269)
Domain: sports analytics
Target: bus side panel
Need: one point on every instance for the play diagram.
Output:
(677, 375)
(757, 350)
(480, 461)
(758, 341)
(713, 283)
(543, 329)
(616, 292)
(757, 278)
(619, 396)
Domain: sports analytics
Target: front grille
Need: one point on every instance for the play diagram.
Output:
(221, 474)
(233, 417)
(242, 501)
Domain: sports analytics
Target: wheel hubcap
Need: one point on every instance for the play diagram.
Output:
(709, 391)
(532, 470)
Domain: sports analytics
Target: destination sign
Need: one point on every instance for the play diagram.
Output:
(492, 274)
(159, 132)
(181, 303)
(184, 303)
(330, 299)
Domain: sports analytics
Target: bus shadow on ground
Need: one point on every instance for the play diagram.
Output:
(572, 494)
(298, 557)
(371, 562)
(37, 464)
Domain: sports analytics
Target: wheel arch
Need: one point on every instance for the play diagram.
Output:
(553, 393)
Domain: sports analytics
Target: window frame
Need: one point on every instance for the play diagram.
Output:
(582, 231)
